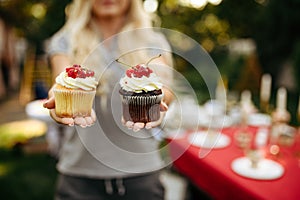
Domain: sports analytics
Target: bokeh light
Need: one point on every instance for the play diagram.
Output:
(199, 4)
(150, 6)
(38, 10)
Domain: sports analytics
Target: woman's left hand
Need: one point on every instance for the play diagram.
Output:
(136, 126)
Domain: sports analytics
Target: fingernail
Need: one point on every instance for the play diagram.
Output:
(136, 129)
(148, 127)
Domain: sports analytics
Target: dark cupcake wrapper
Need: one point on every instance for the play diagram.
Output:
(141, 108)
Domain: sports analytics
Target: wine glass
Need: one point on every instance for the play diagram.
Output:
(243, 136)
(260, 125)
(216, 113)
(283, 137)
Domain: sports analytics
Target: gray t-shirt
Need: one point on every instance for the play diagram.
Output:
(108, 149)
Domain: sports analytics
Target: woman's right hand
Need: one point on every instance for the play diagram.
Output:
(80, 121)
(136, 126)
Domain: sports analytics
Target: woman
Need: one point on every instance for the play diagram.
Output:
(108, 160)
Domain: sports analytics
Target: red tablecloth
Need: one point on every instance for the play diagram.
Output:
(214, 175)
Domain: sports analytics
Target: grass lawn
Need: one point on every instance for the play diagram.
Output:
(26, 176)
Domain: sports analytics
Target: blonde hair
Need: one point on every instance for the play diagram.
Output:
(84, 36)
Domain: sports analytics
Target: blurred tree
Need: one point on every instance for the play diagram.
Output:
(36, 20)
(213, 27)
(296, 62)
(273, 24)
(278, 35)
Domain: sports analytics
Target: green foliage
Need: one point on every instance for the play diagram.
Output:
(296, 63)
(37, 27)
(203, 26)
(19, 132)
(277, 33)
(273, 24)
(212, 27)
(242, 16)
(26, 177)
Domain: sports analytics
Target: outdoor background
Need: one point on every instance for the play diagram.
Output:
(244, 38)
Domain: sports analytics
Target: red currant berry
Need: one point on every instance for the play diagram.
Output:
(129, 72)
(90, 73)
(81, 74)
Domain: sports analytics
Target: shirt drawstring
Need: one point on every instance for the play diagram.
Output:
(119, 185)
(108, 187)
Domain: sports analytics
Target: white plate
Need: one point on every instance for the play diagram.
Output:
(204, 140)
(259, 119)
(207, 121)
(36, 110)
(266, 169)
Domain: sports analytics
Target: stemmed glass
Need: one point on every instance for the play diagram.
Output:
(282, 133)
(259, 140)
(216, 114)
(243, 136)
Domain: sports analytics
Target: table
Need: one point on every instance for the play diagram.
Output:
(35, 110)
(214, 175)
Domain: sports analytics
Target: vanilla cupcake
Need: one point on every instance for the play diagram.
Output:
(141, 93)
(74, 92)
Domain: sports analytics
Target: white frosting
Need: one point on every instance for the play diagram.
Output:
(88, 83)
(139, 85)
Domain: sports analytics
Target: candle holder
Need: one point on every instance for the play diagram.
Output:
(282, 136)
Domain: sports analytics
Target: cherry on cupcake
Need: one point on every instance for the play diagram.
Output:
(139, 70)
(76, 71)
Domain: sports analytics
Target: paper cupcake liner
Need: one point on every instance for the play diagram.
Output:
(72, 103)
(141, 108)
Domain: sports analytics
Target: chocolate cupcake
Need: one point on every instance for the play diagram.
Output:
(141, 93)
